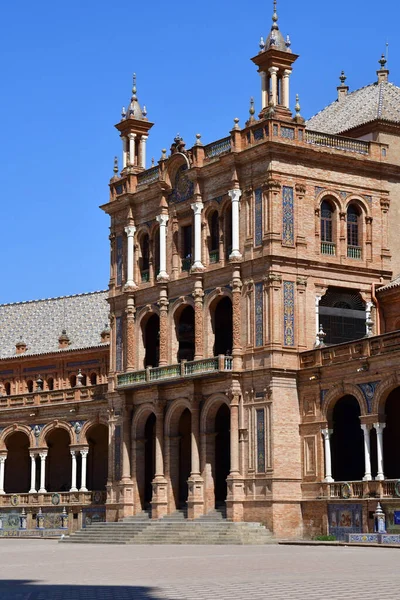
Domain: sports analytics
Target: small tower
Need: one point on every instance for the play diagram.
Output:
(134, 128)
(274, 62)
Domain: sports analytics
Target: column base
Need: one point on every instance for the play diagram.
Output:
(197, 267)
(235, 256)
(125, 499)
(235, 498)
(32, 492)
(195, 500)
(329, 480)
(73, 489)
(43, 491)
(2, 492)
(367, 477)
(163, 276)
(159, 501)
(380, 477)
(83, 489)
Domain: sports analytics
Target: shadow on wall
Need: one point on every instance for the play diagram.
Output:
(32, 590)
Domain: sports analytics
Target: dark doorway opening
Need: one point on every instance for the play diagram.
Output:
(223, 327)
(222, 453)
(347, 441)
(185, 455)
(342, 315)
(391, 436)
(151, 339)
(185, 331)
(18, 464)
(59, 462)
(149, 458)
(97, 469)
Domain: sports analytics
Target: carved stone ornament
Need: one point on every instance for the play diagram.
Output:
(300, 189)
(273, 185)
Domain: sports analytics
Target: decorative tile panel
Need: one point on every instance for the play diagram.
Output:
(287, 132)
(258, 134)
(120, 258)
(117, 452)
(259, 314)
(258, 217)
(93, 514)
(119, 343)
(368, 390)
(287, 215)
(42, 368)
(260, 421)
(288, 313)
(183, 187)
(344, 519)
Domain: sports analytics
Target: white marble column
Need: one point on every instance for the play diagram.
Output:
(379, 438)
(328, 460)
(235, 196)
(367, 452)
(197, 208)
(130, 232)
(43, 456)
(124, 152)
(33, 474)
(83, 487)
(163, 220)
(368, 320)
(285, 88)
(73, 477)
(317, 301)
(143, 141)
(264, 90)
(2, 465)
(274, 84)
(132, 152)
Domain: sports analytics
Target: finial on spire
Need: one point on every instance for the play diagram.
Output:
(134, 89)
(123, 112)
(115, 169)
(262, 44)
(297, 108)
(383, 61)
(288, 43)
(342, 78)
(275, 17)
(252, 109)
(144, 111)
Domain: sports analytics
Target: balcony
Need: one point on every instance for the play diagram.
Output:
(52, 499)
(40, 398)
(354, 252)
(347, 490)
(183, 370)
(328, 248)
(186, 264)
(145, 276)
(214, 256)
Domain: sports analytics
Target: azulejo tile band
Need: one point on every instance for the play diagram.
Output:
(259, 314)
(288, 313)
(260, 440)
(258, 217)
(287, 216)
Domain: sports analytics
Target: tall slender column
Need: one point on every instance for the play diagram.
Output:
(379, 438)
(198, 295)
(159, 444)
(328, 460)
(126, 446)
(234, 436)
(264, 90)
(367, 452)
(235, 198)
(274, 84)
(163, 304)
(237, 320)
(197, 208)
(33, 474)
(163, 220)
(317, 301)
(132, 157)
(195, 441)
(130, 353)
(368, 319)
(130, 232)
(285, 88)
(84, 454)
(124, 152)
(73, 476)
(2, 464)
(43, 456)
(143, 141)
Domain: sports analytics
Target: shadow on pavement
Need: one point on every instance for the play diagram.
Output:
(31, 590)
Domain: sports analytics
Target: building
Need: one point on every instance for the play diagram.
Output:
(251, 314)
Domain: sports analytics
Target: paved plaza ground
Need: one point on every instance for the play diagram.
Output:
(45, 570)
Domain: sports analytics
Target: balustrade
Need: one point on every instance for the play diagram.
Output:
(328, 248)
(336, 142)
(148, 177)
(49, 397)
(219, 147)
(354, 252)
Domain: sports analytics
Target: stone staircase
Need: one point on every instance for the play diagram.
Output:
(212, 528)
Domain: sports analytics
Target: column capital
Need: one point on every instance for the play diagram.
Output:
(162, 219)
(84, 452)
(3, 458)
(131, 136)
(43, 455)
(73, 453)
(286, 72)
(130, 230)
(273, 70)
(379, 427)
(365, 427)
(326, 433)
(144, 138)
(235, 194)
(197, 207)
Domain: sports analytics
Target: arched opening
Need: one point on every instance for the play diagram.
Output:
(222, 453)
(391, 436)
(97, 460)
(353, 232)
(342, 315)
(185, 455)
(328, 236)
(29, 385)
(58, 462)
(72, 381)
(50, 384)
(149, 459)
(93, 379)
(186, 247)
(7, 388)
(223, 327)
(185, 334)
(151, 341)
(144, 260)
(17, 465)
(228, 231)
(213, 226)
(84, 379)
(347, 441)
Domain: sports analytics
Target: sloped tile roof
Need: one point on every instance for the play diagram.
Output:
(40, 323)
(392, 284)
(375, 101)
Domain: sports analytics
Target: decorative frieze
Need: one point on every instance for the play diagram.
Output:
(287, 216)
(259, 314)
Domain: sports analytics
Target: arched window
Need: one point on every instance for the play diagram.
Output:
(186, 247)
(93, 379)
(50, 383)
(342, 315)
(353, 232)
(144, 261)
(213, 225)
(327, 233)
(29, 385)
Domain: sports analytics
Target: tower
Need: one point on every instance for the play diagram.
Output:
(274, 62)
(134, 128)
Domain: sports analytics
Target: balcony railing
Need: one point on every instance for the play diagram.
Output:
(353, 252)
(328, 248)
(145, 275)
(214, 256)
(216, 148)
(149, 176)
(346, 490)
(186, 264)
(39, 398)
(182, 370)
(18, 501)
(337, 142)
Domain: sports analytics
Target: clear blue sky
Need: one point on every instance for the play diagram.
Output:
(66, 71)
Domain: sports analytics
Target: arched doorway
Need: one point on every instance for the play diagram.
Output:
(58, 462)
(342, 315)
(223, 327)
(222, 453)
(149, 459)
(185, 334)
(391, 436)
(347, 441)
(185, 455)
(151, 341)
(97, 460)
(17, 465)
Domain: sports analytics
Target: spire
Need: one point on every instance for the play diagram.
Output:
(383, 72)
(275, 17)
(275, 39)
